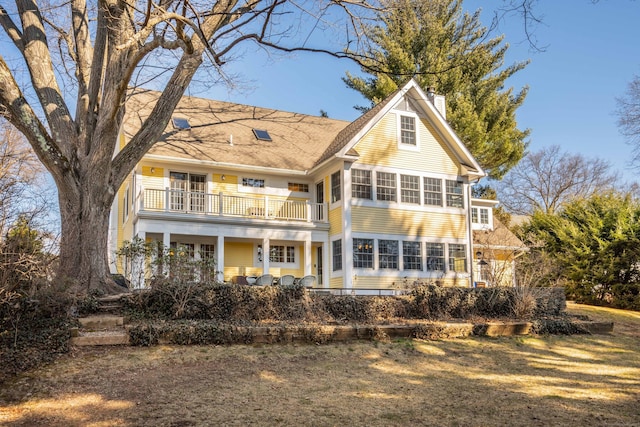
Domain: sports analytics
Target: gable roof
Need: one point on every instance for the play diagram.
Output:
(350, 136)
(223, 133)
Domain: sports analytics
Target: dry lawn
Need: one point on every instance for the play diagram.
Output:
(531, 381)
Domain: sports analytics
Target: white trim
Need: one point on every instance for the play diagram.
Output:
(416, 120)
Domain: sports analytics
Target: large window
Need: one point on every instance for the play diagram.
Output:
(360, 184)
(363, 253)
(336, 193)
(457, 258)
(410, 189)
(433, 191)
(386, 186)
(435, 256)
(207, 251)
(455, 198)
(411, 255)
(282, 254)
(337, 255)
(388, 254)
(408, 130)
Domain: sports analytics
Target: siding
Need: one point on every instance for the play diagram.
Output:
(380, 147)
(408, 223)
(335, 221)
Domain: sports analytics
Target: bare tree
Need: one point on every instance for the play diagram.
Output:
(547, 179)
(73, 119)
(23, 190)
(628, 112)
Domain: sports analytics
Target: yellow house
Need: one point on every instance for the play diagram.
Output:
(366, 206)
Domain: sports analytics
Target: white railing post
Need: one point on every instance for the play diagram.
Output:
(220, 210)
(309, 211)
(266, 207)
(167, 196)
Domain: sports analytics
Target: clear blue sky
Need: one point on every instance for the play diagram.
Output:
(592, 53)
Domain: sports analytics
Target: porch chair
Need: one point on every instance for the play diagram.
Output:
(286, 280)
(308, 281)
(265, 279)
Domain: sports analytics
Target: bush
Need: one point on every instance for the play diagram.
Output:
(34, 330)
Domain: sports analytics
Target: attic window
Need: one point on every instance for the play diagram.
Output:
(181, 123)
(262, 135)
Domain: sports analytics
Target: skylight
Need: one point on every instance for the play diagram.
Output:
(181, 123)
(262, 135)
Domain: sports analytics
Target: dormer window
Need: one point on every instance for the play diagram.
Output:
(181, 123)
(262, 135)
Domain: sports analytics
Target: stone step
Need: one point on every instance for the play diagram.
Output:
(102, 321)
(101, 338)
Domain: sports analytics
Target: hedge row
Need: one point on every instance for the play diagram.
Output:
(249, 304)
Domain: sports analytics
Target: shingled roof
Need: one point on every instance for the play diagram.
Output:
(222, 132)
(498, 238)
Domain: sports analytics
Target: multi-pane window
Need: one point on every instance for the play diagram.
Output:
(282, 254)
(484, 216)
(337, 255)
(455, 198)
(411, 255)
(296, 186)
(336, 192)
(410, 189)
(435, 256)
(432, 191)
(361, 184)
(253, 182)
(388, 254)
(187, 191)
(125, 203)
(457, 257)
(386, 186)
(363, 253)
(207, 251)
(408, 130)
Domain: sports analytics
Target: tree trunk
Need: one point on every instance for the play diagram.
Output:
(84, 241)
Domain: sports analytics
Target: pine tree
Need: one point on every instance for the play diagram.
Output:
(439, 45)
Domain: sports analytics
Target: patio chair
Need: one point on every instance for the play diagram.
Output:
(286, 280)
(308, 281)
(265, 279)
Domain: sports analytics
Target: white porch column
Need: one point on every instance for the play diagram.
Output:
(307, 257)
(327, 264)
(266, 250)
(220, 258)
(166, 243)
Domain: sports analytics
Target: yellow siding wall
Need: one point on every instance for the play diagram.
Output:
(380, 147)
(153, 179)
(336, 282)
(414, 223)
(335, 221)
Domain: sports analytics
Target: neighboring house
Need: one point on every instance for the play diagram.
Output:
(364, 205)
(495, 247)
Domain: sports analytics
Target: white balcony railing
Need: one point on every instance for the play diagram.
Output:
(220, 204)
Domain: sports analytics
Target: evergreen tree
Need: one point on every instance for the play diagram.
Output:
(596, 242)
(441, 46)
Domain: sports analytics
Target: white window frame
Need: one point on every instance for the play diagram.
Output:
(416, 121)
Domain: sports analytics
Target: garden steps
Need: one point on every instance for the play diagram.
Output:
(100, 330)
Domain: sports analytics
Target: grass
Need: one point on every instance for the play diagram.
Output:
(525, 381)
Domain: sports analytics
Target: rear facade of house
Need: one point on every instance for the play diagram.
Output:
(370, 205)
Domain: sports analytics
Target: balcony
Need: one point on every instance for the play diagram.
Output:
(224, 205)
